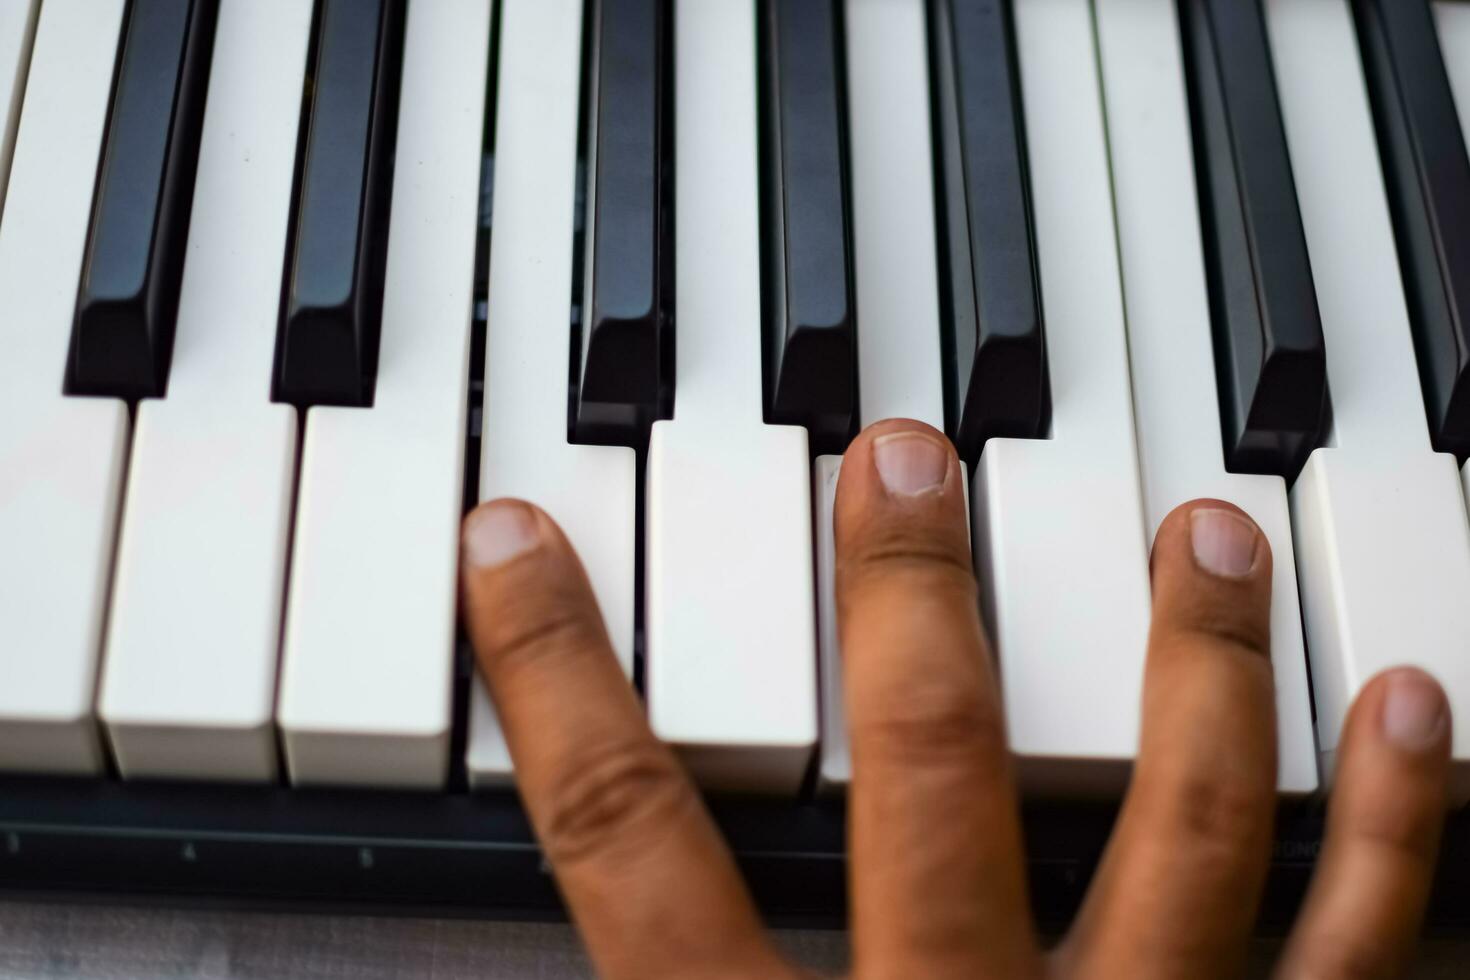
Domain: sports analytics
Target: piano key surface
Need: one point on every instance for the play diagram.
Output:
(188, 684)
(17, 32)
(896, 286)
(140, 217)
(625, 369)
(1267, 328)
(1378, 517)
(368, 651)
(996, 382)
(811, 366)
(591, 491)
(1427, 174)
(1050, 513)
(1452, 21)
(730, 625)
(1180, 446)
(328, 347)
(61, 458)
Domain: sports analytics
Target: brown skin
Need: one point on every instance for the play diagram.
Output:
(655, 892)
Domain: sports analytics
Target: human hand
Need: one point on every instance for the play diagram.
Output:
(936, 864)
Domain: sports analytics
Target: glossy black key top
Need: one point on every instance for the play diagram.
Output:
(810, 327)
(1427, 172)
(626, 355)
(1270, 360)
(129, 293)
(329, 343)
(995, 377)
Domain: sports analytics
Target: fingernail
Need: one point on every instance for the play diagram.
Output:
(499, 532)
(910, 463)
(1413, 711)
(1224, 542)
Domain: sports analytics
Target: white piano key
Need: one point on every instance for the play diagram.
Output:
(1059, 521)
(61, 458)
(895, 279)
(591, 491)
(895, 276)
(1382, 538)
(189, 682)
(731, 624)
(1169, 337)
(17, 31)
(367, 663)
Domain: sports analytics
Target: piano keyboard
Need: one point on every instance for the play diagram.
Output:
(287, 285)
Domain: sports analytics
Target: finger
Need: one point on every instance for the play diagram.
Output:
(1178, 887)
(1363, 911)
(643, 870)
(935, 839)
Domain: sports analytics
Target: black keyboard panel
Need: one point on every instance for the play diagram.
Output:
(474, 854)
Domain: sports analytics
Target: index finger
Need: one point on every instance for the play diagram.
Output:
(644, 872)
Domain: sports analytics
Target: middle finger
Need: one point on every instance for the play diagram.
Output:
(937, 877)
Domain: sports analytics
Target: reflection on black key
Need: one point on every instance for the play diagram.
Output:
(626, 355)
(1269, 355)
(995, 378)
(329, 344)
(1427, 172)
(811, 344)
(129, 292)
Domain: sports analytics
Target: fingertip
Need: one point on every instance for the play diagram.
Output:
(911, 462)
(499, 531)
(1409, 712)
(905, 457)
(900, 506)
(898, 467)
(1212, 537)
(1389, 795)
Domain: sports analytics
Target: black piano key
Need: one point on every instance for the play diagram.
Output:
(810, 329)
(329, 341)
(626, 355)
(129, 293)
(1427, 172)
(995, 377)
(1269, 354)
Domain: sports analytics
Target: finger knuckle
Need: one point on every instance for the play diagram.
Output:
(1337, 955)
(611, 804)
(1220, 818)
(1242, 634)
(1407, 835)
(935, 727)
(535, 636)
(891, 554)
